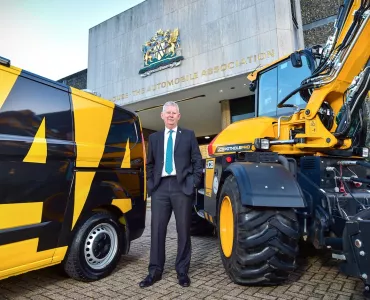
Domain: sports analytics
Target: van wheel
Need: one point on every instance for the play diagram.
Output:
(258, 245)
(96, 248)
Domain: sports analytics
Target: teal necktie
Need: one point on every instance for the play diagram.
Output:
(169, 167)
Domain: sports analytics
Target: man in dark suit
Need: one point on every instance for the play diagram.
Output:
(174, 169)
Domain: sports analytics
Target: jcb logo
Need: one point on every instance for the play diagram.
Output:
(210, 164)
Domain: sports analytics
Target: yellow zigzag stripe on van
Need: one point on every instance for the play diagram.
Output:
(126, 162)
(123, 204)
(23, 253)
(20, 214)
(91, 122)
(39, 150)
(82, 188)
(7, 80)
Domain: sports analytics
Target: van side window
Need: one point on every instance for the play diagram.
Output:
(123, 127)
(28, 103)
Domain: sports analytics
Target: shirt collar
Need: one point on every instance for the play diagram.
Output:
(168, 130)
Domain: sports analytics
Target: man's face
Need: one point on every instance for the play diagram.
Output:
(170, 116)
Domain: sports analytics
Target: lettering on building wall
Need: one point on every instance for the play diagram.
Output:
(198, 74)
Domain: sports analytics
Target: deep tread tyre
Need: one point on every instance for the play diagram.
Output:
(108, 234)
(264, 246)
(200, 226)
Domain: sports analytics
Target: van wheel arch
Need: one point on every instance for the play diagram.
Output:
(122, 220)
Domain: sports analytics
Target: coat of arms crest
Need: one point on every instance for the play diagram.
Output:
(160, 52)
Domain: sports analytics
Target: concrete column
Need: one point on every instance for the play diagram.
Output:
(225, 113)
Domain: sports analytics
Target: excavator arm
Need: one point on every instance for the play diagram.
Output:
(342, 78)
(334, 92)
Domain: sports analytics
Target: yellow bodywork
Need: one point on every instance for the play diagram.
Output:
(90, 135)
(12, 256)
(8, 76)
(38, 150)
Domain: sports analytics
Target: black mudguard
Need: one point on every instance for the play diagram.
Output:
(266, 184)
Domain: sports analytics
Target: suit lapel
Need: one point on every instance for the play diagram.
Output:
(178, 138)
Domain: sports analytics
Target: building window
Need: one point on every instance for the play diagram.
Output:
(242, 108)
(294, 13)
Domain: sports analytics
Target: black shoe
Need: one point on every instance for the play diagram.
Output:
(150, 280)
(184, 279)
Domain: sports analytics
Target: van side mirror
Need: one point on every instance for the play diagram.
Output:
(296, 60)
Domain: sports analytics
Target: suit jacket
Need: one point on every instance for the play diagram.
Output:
(187, 157)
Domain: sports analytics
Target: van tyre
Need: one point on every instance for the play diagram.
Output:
(258, 245)
(96, 248)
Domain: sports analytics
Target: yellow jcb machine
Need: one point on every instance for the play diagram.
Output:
(298, 171)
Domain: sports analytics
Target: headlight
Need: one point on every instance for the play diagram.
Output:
(363, 152)
(263, 144)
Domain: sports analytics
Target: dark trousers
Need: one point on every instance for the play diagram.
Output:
(167, 198)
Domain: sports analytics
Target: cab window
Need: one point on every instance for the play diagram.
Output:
(278, 82)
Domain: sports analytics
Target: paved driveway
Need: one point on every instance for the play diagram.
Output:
(317, 278)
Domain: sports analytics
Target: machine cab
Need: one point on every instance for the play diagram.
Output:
(274, 82)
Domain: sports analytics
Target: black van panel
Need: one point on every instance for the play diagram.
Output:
(47, 179)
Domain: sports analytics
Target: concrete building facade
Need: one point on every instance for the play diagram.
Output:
(198, 52)
(163, 50)
(318, 17)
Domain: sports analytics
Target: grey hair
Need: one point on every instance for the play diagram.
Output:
(170, 103)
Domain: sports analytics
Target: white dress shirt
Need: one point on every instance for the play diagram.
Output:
(166, 136)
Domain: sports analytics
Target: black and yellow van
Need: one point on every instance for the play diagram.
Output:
(72, 178)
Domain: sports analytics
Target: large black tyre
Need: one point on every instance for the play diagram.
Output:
(262, 246)
(200, 226)
(96, 248)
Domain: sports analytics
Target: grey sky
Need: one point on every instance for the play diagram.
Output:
(50, 37)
